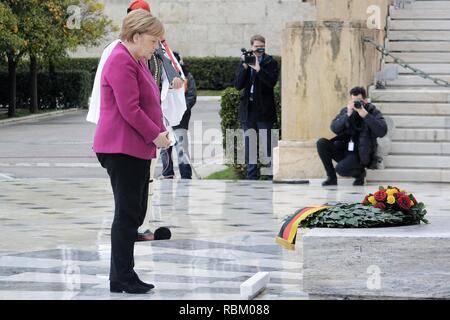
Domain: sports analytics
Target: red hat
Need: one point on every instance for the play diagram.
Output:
(139, 4)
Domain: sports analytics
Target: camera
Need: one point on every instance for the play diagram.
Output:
(249, 57)
(359, 104)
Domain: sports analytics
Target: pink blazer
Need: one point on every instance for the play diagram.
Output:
(130, 108)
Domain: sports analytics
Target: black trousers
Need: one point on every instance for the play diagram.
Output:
(348, 164)
(130, 178)
(252, 130)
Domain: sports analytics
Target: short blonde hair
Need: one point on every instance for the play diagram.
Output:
(140, 21)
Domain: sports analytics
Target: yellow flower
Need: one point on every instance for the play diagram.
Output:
(391, 192)
(372, 200)
(412, 203)
(391, 199)
(403, 190)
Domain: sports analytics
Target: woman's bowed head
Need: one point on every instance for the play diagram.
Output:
(141, 33)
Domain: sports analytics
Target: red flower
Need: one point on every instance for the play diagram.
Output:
(380, 195)
(380, 205)
(404, 202)
(399, 194)
(366, 201)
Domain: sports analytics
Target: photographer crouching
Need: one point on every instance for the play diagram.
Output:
(357, 128)
(257, 76)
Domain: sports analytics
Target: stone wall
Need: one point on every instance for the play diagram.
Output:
(216, 27)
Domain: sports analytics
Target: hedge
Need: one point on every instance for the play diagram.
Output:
(71, 89)
(229, 114)
(88, 64)
(214, 73)
(210, 73)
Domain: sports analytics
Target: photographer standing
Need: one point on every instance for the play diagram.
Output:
(357, 127)
(257, 75)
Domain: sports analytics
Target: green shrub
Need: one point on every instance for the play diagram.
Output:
(229, 114)
(70, 88)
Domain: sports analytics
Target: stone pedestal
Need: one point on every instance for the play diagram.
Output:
(399, 262)
(322, 61)
(293, 158)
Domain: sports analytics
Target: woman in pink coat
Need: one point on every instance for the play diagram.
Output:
(129, 131)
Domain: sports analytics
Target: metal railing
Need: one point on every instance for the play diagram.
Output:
(402, 63)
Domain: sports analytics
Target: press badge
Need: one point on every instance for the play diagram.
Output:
(351, 146)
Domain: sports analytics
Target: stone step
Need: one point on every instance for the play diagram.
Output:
(420, 134)
(419, 35)
(409, 175)
(431, 94)
(418, 46)
(430, 4)
(419, 24)
(419, 14)
(430, 68)
(421, 121)
(417, 162)
(420, 110)
(418, 57)
(418, 148)
(414, 80)
(411, 108)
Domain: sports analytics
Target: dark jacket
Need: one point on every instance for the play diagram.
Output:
(191, 99)
(373, 126)
(156, 67)
(265, 81)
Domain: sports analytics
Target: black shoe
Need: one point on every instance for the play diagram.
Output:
(359, 181)
(142, 283)
(330, 182)
(131, 287)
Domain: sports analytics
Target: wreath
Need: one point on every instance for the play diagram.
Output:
(387, 207)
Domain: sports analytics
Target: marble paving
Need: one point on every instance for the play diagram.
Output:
(55, 236)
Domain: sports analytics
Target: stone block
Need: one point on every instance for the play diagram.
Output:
(295, 160)
(399, 262)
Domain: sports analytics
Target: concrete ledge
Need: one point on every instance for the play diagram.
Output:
(209, 98)
(296, 161)
(399, 262)
(36, 117)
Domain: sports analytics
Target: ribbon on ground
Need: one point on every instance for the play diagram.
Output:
(288, 232)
